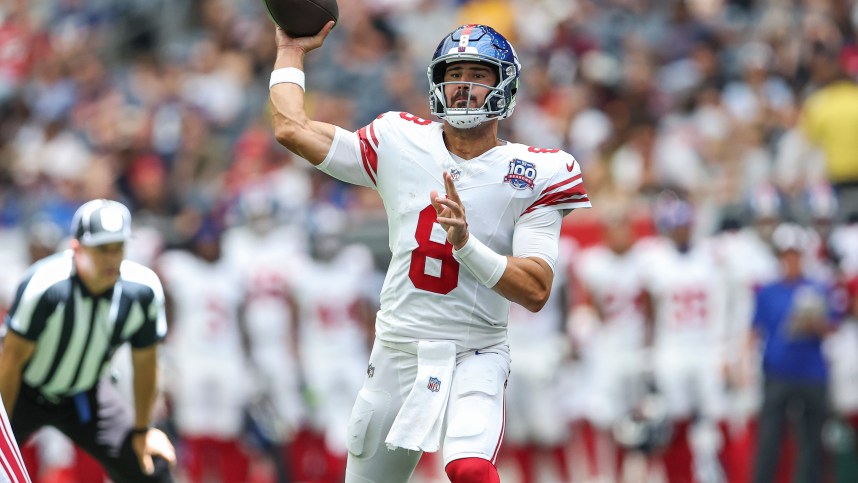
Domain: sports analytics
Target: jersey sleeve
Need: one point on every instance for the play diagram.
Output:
(564, 191)
(537, 234)
(353, 157)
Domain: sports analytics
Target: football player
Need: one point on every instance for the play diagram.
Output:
(264, 253)
(206, 356)
(608, 324)
(474, 225)
(686, 296)
(336, 301)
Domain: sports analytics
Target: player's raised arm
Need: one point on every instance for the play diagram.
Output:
(293, 129)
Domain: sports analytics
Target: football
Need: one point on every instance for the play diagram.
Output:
(302, 18)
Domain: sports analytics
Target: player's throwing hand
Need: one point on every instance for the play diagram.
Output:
(451, 213)
(306, 44)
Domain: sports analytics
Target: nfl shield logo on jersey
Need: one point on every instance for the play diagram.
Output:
(370, 371)
(434, 384)
(455, 173)
(521, 174)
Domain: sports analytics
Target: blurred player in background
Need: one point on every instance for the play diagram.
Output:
(537, 421)
(440, 361)
(746, 256)
(335, 295)
(608, 324)
(206, 355)
(265, 254)
(686, 297)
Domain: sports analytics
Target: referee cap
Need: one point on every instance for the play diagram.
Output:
(98, 222)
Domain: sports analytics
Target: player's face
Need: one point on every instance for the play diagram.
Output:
(460, 96)
(619, 236)
(98, 266)
(208, 249)
(681, 235)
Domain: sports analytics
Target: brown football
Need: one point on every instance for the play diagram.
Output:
(302, 18)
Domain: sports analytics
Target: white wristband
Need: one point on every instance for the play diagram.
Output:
(486, 265)
(289, 75)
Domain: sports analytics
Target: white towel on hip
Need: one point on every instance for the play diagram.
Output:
(418, 424)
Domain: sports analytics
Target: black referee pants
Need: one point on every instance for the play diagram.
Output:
(106, 436)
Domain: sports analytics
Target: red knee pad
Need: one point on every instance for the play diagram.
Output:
(472, 470)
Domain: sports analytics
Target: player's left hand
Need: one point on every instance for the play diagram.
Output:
(451, 213)
(152, 443)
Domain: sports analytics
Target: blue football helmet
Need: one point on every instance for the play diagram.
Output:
(475, 43)
(671, 212)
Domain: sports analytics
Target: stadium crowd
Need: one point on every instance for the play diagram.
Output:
(701, 126)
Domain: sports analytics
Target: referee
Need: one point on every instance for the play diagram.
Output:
(71, 312)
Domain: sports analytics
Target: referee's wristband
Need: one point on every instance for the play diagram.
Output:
(287, 75)
(486, 265)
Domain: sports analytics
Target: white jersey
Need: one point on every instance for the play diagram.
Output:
(334, 297)
(748, 264)
(426, 294)
(330, 295)
(613, 284)
(204, 352)
(265, 264)
(689, 297)
(206, 299)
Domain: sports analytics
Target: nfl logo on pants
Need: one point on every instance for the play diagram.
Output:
(434, 384)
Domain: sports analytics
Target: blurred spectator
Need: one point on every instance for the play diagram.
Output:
(829, 118)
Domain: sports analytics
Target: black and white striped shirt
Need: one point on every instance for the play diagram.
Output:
(76, 333)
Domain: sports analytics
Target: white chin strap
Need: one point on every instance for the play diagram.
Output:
(465, 118)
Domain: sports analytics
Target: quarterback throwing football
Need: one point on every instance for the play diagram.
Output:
(474, 225)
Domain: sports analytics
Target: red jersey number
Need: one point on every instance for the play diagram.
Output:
(448, 279)
(542, 150)
(689, 308)
(416, 120)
